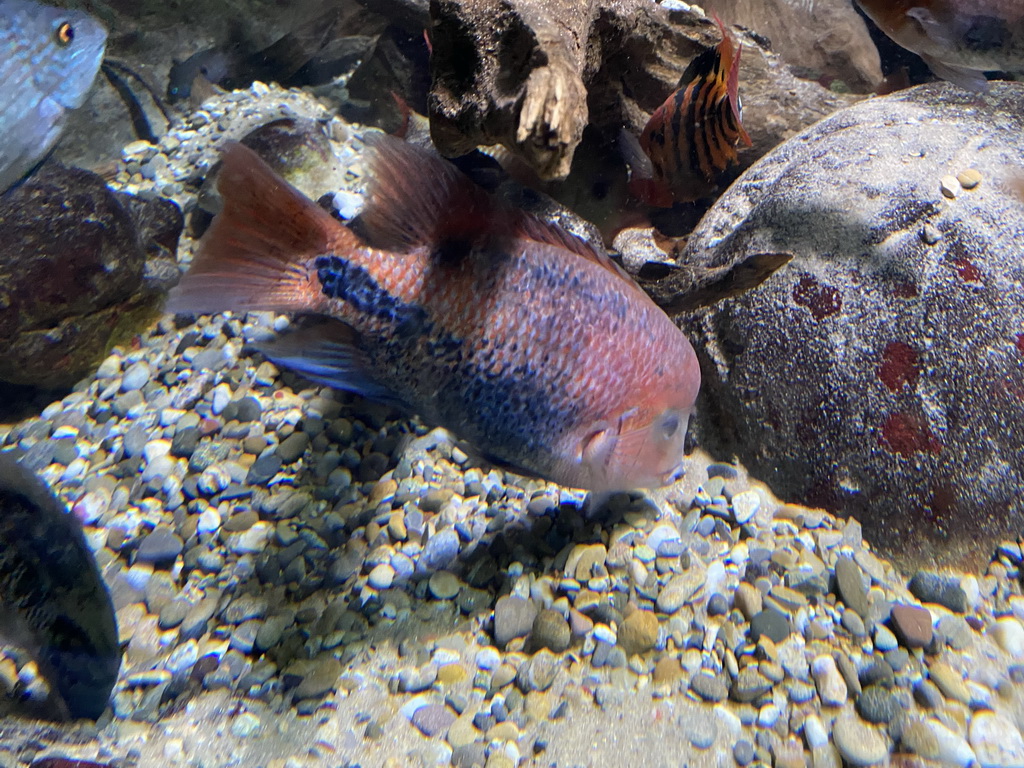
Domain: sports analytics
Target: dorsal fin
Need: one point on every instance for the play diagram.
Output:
(416, 198)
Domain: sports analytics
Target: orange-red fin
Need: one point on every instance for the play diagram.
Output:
(733, 91)
(416, 198)
(329, 354)
(253, 257)
(404, 111)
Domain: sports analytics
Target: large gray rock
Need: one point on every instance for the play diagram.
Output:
(880, 373)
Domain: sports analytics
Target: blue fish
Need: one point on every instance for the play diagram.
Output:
(49, 58)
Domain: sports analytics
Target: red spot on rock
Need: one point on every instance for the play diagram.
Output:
(907, 434)
(822, 300)
(967, 271)
(905, 291)
(899, 366)
(1019, 341)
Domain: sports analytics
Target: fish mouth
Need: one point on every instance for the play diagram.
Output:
(674, 474)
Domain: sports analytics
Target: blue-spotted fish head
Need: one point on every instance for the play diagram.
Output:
(64, 48)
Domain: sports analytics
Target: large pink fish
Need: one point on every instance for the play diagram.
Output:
(504, 329)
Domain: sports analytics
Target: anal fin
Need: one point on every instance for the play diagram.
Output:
(328, 354)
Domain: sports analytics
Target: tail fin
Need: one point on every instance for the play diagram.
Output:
(254, 256)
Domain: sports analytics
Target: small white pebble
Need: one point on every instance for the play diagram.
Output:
(347, 204)
(970, 178)
(948, 186)
(174, 750)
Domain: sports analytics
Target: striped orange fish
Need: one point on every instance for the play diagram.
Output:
(692, 137)
(518, 337)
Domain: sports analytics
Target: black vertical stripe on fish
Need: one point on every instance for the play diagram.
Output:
(353, 284)
(703, 161)
(677, 133)
(691, 126)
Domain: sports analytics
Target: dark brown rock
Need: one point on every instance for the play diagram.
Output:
(912, 625)
(73, 276)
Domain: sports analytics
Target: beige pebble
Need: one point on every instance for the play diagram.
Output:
(970, 178)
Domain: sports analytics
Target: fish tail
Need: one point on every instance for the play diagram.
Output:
(416, 198)
(256, 253)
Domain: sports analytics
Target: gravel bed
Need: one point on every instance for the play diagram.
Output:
(305, 578)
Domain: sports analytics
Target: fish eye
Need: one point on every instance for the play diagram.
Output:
(670, 425)
(64, 34)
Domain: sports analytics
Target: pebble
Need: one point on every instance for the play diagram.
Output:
(996, 741)
(382, 576)
(769, 623)
(748, 600)
(433, 720)
(1009, 634)
(814, 732)
(513, 617)
(850, 584)
(949, 682)
(680, 589)
(551, 631)
(136, 376)
(160, 547)
(912, 624)
(743, 752)
(877, 705)
(319, 679)
(952, 749)
(538, 672)
(488, 658)
(830, 683)
(443, 585)
(948, 185)
(858, 743)
(938, 588)
(745, 505)
(709, 687)
(639, 632)
(969, 178)
(244, 725)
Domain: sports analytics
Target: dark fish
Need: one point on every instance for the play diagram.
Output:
(959, 39)
(49, 60)
(692, 137)
(53, 596)
(505, 329)
(210, 66)
(310, 54)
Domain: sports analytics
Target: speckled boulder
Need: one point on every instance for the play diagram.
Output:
(81, 268)
(880, 373)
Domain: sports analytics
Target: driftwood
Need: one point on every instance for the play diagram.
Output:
(531, 74)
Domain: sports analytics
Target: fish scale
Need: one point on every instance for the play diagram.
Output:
(41, 77)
